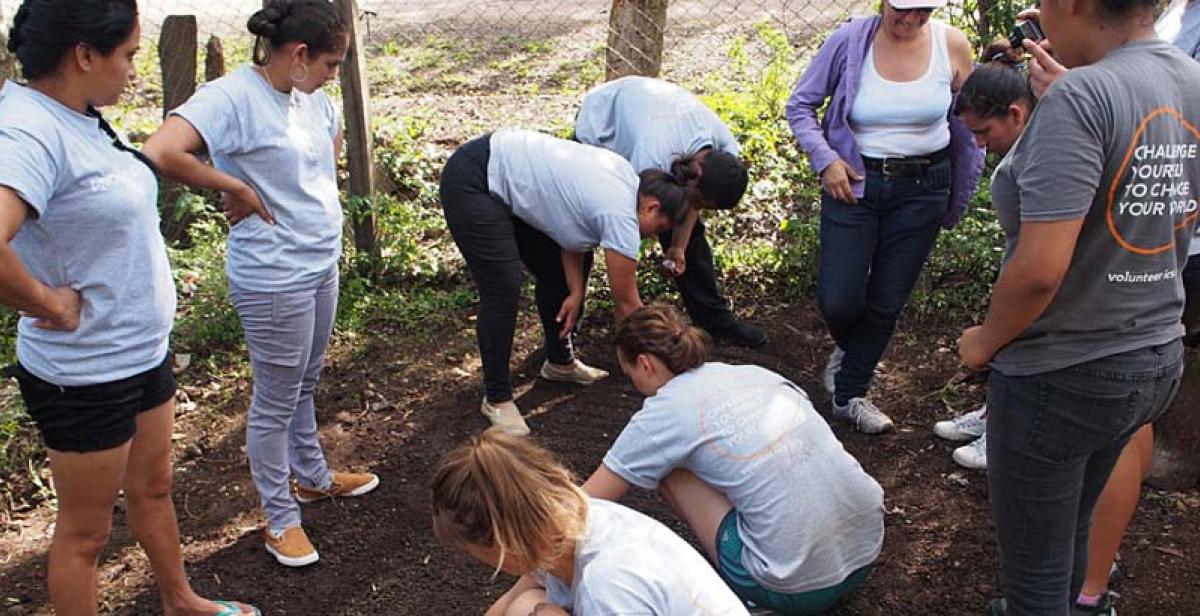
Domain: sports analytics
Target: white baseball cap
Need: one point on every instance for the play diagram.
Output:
(916, 4)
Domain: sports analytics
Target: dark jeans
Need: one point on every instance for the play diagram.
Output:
(705, 303)
(872, 253)
(495, 244)
(1053, 440)
(1191, 310)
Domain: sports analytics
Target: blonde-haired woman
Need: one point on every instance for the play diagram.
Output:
(509, 504)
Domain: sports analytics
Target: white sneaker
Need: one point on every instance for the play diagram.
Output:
(973, 455)
(576, 372)
(965, 427)
(832, 367)
(865, 416)
(506, 416)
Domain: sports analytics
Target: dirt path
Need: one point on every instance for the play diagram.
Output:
(378, 554)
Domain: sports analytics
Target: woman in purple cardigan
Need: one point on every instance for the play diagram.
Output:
(896, 166)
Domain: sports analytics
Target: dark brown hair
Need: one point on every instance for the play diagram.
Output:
(316, 23)
(43, 31)
(660, 330)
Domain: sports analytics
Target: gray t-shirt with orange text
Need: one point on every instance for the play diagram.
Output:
(1114, 143)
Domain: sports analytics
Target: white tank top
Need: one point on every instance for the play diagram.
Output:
(904, 118)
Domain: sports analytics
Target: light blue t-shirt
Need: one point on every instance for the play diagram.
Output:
(282, 146)
(94, 228)
(650, 122)
(808, 514)
(628, 564)
(579, 195)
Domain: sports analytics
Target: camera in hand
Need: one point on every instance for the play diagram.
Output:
(1026, 30)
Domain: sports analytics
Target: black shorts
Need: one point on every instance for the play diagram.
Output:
(93, 417)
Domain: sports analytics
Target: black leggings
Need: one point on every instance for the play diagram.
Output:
(495, 244)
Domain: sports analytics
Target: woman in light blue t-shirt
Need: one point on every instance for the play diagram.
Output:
(789, 518)
(274, 138)
(82, 259)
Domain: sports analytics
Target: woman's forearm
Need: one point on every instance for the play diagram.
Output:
(187, 169)
(20, 290)
(573, 269)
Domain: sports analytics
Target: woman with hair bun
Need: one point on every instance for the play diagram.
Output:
(788, 517)
(274, 138)
(82, 260)
(518, 198)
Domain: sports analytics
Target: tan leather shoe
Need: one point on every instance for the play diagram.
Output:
(343, 485)
(292, 548)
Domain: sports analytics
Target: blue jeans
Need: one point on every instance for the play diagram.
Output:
(872, 253)
(1053, 439)
(287, 334)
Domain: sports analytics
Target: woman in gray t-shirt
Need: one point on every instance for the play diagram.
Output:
(1083, 331)
(82, 259)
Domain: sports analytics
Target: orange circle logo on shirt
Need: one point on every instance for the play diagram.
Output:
(1118, 181)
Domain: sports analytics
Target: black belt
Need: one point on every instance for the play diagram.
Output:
(905, 166)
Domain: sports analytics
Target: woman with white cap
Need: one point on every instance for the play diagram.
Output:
(895, 165)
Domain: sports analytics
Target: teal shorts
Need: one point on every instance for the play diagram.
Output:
(729, 565)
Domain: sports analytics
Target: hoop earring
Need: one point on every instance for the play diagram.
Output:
(301, 79)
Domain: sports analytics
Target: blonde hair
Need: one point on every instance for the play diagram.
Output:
(660, 330)
(506, 492)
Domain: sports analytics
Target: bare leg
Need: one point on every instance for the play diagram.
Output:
(698, 504)
(87, 485)
(151, 513)
(524, 604)
(1115, 509)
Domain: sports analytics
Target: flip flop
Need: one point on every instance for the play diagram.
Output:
(229, 608)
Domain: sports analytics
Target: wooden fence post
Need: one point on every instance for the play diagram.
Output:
(635, 38)
(177, 45)
(214, 59)
(357, 111)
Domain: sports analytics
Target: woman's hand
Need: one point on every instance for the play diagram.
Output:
(242, 204)
(64, 317)
(676, 255)
(1043, 68)
(836, 178)
(568, 314)
(973, 351)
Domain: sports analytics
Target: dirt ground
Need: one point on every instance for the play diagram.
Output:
(395, 405)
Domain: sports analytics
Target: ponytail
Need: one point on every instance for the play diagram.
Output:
(504, 491)
(117, 142)
(722, 177)
(659, 330)
(668, 189)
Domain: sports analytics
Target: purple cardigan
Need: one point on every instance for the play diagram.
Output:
(835, 72)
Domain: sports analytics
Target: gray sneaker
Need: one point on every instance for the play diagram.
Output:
(865, 416)
(973, 455)
(832, 367)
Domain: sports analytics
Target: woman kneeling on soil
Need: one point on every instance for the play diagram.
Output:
(520, 197)
(274, 138)
(789, 517)
(509, 504)
(81, 257)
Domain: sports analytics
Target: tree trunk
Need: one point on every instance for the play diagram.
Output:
(356, 102)
(8, 63)
(1177, 434)
(635, 38)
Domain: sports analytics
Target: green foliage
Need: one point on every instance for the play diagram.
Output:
(206, 320)
(984, 20)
